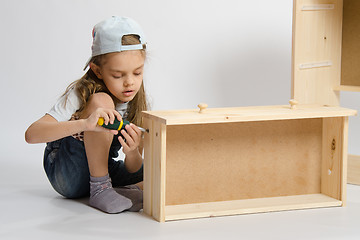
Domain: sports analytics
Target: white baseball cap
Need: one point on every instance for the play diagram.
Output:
(107, 36)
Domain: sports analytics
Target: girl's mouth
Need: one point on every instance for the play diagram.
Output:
(128, 93)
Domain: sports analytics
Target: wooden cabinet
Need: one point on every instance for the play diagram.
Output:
(244, 160)
(326, 50)
(326, 55)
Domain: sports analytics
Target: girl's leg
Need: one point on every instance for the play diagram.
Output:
(66, 167)
(97, 146)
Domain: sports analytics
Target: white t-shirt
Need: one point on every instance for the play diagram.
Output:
(63, 112)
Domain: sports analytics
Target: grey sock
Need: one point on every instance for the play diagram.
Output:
(135, 194)
(104, 197)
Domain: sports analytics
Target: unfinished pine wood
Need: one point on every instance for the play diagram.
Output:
(158, 171)
(344, 160)
(293, 103)
(354, 169)
(316, 41)
(252, 155)
(332, 157)
(347, 88)
(244, 114)
(224, 208)
(350, 59)
(324, 34)
(233, 161)
(202, 107)
(148, 160)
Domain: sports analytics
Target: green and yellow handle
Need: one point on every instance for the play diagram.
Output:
(117, 125)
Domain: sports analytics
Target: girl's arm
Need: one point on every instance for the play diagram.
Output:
(48, 129)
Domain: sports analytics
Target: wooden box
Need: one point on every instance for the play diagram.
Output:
(244, 160)
(326, 50)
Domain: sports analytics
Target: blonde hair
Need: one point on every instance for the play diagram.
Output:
(90, 84)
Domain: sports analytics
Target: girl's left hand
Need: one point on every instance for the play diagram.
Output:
(132, 136)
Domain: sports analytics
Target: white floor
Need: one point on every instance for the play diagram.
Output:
(31, 209)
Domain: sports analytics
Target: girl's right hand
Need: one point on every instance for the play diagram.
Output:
(109, 116)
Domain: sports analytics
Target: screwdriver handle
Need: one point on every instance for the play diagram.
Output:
(117, 125)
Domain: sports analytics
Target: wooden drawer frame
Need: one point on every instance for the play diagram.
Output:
(270, 159)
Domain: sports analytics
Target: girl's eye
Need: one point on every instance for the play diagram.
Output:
(137, 73)
(117, 76)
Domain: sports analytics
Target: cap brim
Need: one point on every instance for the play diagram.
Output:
(87, 63)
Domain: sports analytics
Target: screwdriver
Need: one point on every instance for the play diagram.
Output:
(117, 125)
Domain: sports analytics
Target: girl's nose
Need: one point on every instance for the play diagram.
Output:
(129, 81)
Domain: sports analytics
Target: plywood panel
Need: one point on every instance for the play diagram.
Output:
(350, 65)
(233, 161)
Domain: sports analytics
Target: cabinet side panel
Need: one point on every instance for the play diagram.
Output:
(158, 171)
(245, 160)
(354, 169)
(344, 161)
(316, 51)
(148, 162)
(332, 159)
(350, 59)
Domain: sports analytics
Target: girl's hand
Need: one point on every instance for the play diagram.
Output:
(132, 136)
(109, 116)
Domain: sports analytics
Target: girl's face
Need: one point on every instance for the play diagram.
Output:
(122, 73)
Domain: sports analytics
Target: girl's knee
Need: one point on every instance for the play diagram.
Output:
(68, 172)
(100, 100)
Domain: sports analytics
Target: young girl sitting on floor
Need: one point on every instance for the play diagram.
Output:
(79, 156)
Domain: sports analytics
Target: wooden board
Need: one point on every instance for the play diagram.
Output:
(354, 169)
(332, 157)
(148, 166)
(158, 172)
(244, 114)
(347, 88)
(247, 206)
(350, 60)
(233, 161)
(316, 51)
(154, 169)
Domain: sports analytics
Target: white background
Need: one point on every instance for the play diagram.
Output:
(225, 53)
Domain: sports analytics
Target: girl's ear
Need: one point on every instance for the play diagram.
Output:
(96, 69)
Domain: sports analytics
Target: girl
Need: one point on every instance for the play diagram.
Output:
(79, 156)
